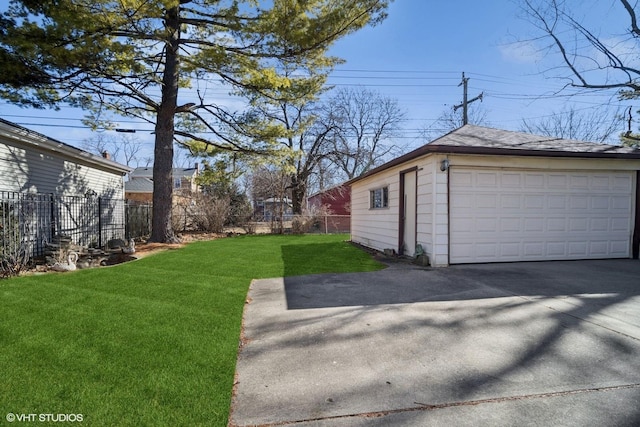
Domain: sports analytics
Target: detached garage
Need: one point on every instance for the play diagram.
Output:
(481, 195)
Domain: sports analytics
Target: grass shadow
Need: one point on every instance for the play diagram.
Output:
(331, 257)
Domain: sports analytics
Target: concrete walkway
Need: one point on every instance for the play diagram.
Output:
(501, 344)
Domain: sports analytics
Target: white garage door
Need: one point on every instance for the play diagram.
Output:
(511, 215)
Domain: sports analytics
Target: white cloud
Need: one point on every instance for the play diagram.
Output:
(520, 52)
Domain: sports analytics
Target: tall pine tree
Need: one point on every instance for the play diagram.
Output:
(133, 57)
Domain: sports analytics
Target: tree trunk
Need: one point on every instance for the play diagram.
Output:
(298, 194)
(161, 228)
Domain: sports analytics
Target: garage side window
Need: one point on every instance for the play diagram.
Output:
(379, 198)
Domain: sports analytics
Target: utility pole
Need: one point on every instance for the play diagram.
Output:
(465, 102)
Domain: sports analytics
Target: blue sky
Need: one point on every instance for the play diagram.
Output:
(426, 45)
(417, 56)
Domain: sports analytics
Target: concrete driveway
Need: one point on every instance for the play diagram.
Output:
(553, 343)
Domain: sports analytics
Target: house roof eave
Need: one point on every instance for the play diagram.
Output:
(26, 136)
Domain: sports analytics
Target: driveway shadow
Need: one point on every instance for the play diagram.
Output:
(401, 283)
(419, 342)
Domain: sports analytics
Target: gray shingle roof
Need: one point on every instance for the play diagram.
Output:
(484, 137)
(471, 139)
(139, 185)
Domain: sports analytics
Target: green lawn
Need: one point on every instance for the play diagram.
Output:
(151, 342)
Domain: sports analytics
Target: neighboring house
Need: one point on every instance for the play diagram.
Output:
(273, 208)
(53, 187)
(337, 200)
(139, 187)
(335, 205)
(34, 163)
(486, 195)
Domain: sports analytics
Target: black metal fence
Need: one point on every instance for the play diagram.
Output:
(29, 221)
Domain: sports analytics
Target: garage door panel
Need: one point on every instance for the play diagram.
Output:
(510, 249)
(577, 249)
(599, 248)
(600, 182)
(557, 181)
(461, 202)
(620, 248)
(534, 224)
(557, 225)
(577, 182)
(510, 179)
(510, 201)
(486, 225)
(557, 249)
(578, 202)
(557, 201)
(600, 224)
(534, 201)
(501, 215)
(600, 202)
(621, 203)
(534, 180)
(621, 225)
(579, 225)
(622, 183)
(510, 225)
(486, 179)
(534, 249)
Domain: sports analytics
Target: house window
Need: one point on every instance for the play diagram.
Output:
(177, 182)
(379, 198)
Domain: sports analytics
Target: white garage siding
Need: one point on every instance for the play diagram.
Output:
(375, 228)
(379, 228)
(527, 215)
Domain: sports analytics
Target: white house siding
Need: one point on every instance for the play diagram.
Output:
(38, 171)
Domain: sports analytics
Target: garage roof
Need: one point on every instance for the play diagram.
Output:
(471, 139)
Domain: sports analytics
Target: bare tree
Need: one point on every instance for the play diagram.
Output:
(269, 187)
(592, 58)
(594, 61)
(598, 125)
(123, 149)
(366, 123)
(451, 119)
